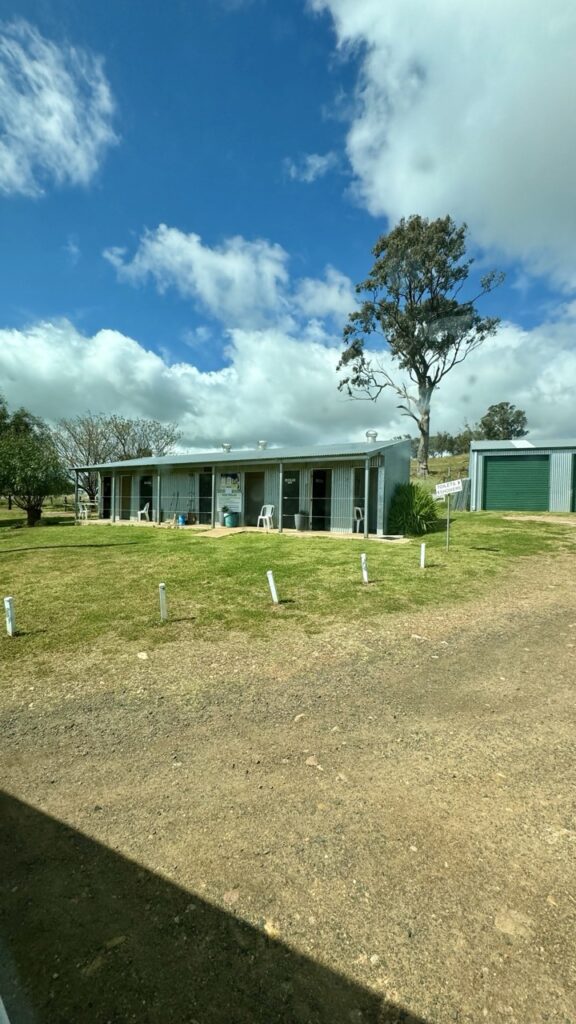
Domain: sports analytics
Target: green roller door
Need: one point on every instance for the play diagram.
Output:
(574, 483)
(519, 482)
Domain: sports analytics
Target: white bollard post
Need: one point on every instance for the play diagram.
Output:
(364, 565)
(422, 556)
(10, 617)
(272, 586)
(163, 602)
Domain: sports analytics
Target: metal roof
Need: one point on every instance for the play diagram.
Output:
(242, 455)
(520, 443)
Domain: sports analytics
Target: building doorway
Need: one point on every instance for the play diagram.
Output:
(125, 496)
(253, 497)
(205, 496)
(106, 497)
(290, 498)
(146, 494)
(321, 498)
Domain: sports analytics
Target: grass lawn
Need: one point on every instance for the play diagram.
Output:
(75, 585)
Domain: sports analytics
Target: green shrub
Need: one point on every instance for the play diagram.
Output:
(413, 510)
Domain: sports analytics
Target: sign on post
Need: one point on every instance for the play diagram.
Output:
(445, 490)
(450, 487)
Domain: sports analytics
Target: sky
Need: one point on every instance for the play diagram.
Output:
(190, 191)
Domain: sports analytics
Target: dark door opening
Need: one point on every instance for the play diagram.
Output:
(106, 497)
(360, 498)
(146, 494)
(291, 498)
(321, 498)
(253, 497)
(125, 496)
(205, 497)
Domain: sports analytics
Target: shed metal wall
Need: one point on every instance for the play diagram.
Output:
(396, 471)
(272, 489)
(341, 505)
(178, 493)
(178, 486)
(561, 481)
(561, 474)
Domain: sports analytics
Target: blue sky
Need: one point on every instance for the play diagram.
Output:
(188, 193)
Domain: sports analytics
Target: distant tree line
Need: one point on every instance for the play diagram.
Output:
(501, 422)
(37, 461)
(92, 439)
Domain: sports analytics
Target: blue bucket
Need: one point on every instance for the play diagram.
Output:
(181, 520)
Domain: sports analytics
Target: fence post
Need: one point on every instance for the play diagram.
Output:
(422, 556)
(163, 602)
(364, 565)
(272, 586)
(10, 617)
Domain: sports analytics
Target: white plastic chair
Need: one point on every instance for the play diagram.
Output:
(143, 513)
(82, 510)
(266, 517)
(358, 518)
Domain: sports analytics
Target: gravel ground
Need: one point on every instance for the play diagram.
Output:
(351, 827)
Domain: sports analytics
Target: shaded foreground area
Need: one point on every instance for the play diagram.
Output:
(90, 936)
(300, 829)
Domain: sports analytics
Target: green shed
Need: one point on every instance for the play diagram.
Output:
(522, 475)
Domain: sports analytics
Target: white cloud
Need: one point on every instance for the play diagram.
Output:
(467, 108)
(243, 284)
(311, 167)
(56, 111)
(281, 384)
(239, 282)
(276, 385)
(334, 296)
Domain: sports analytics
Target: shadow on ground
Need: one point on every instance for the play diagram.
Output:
(89, 936)
(62, 547)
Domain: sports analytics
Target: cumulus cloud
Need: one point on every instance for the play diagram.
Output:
(311, 167)
(239, 282)
(280, 384)
(334, 296)
(56, 112)
(276, 385)
(468, 109)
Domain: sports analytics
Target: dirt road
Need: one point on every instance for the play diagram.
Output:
(359, 828)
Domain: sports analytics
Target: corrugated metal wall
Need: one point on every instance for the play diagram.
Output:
(341, 508)
(179, 488)
(396, 471)
(561, 482)
(178, 493)
(272, 488)
(561, 474)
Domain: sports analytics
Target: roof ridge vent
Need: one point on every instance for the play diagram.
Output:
(226, 446)
(262, 444)
(371, 435)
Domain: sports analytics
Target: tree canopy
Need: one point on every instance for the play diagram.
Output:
(30, 467)
(503, 421)
(91, 439)
(414, 301)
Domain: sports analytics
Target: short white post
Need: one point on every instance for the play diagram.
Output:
(364, 565)
(448, 522)
(10, 617)
(422, 556)
(272, 586)
(163, 602)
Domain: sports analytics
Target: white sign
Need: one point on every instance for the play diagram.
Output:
(450, 487)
